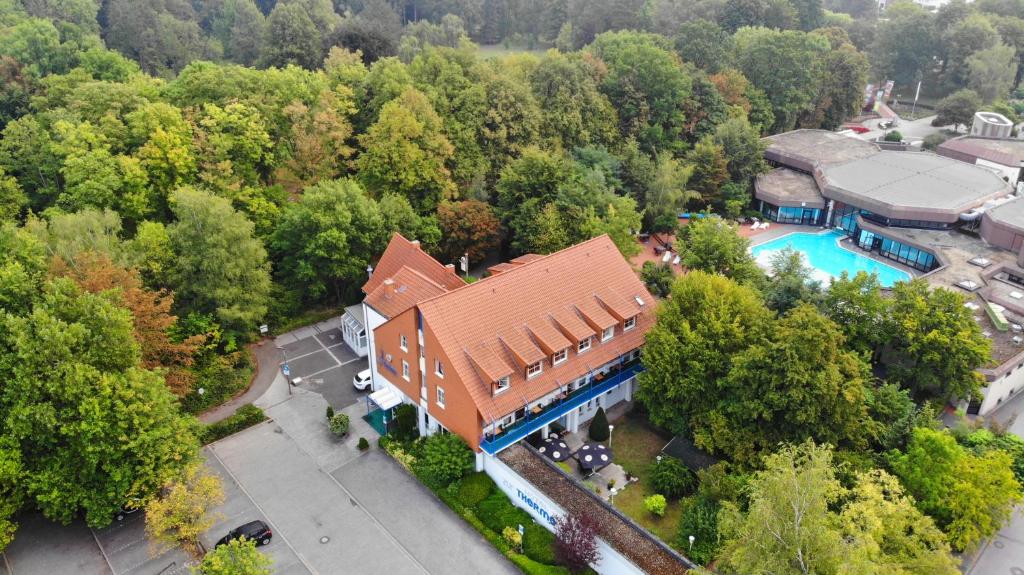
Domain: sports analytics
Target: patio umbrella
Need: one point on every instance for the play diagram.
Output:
(594, 456)
(555, 449)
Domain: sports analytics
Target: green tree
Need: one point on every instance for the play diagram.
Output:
(574, 112)
(964, 39)
(658, 278)
(701, 328)
(219, 265)
(935, 344)
(467, 227)
(405, 151)
(957, 109)
(743, 149)
(234, 146)
(842, 77)
(969, 496)
(905, 44)
(325, 241)
(237, 557)
(713, 245)
(704, 44)
(12, 199)
(791, 282)
(546, 234)
(161, 35)
(710, 169)
(292, 38)
(991, 72)
(858, 308)
(667, 194)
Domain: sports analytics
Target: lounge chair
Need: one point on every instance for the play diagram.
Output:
(766, 225)
(675, 261)
(666, 258)
(755, 225)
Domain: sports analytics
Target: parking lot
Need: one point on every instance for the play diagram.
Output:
(324, 362)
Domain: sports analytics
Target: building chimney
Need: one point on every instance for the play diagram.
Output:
(450, 267)
(416, 243)
(389, 288)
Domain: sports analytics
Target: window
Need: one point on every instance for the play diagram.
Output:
(629, 324)
(559, 356)
(501, 385)
(608, 333)
(438, 368)
(583, 346)
(403, 343)
(440, 396)
(534, 370)
(405, 370)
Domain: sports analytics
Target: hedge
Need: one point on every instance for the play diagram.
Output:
(474, 488)
(243, 418)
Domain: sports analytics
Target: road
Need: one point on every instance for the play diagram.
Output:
(912, 131)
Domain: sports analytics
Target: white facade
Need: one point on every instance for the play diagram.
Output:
(373, 321)
(545, 511)
(353, 330)
(1003, 387)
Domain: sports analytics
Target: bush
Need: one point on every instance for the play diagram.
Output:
(656, 504)
(932, 141)
(700, 519)
(474, 488)
(330, 412)
(220, 377)
(538, 543)
(243, 418)
(363, 444)
(339, 424)
(894, 136)
(497, 513)
(446, 457)
(671, 478)
(512, 537)
(599, 426)
(405, 422)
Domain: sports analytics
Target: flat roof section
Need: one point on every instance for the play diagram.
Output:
(788, 188)
(971, 148)
(1010, 214)
(804, 149)
(912, 185)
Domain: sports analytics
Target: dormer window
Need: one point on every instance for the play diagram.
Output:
(608, 333)
(629, 324)
(501, 385)
(534, 369)
(559, 356)
(584, 345)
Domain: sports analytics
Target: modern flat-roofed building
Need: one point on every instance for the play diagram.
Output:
(1005, 155)
(540, 344)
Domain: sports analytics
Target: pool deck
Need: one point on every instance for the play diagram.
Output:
(755, 236)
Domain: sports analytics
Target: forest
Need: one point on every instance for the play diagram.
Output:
(174, 174)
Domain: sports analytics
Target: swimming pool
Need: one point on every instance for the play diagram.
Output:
(823, 253)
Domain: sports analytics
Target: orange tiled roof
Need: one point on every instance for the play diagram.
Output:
(404, 253)
(402, 291)
(537, 301)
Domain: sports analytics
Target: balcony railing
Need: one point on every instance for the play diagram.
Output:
(553, 411)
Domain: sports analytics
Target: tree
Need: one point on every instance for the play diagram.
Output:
(547, 233)
(574, 112)
(161, 35)
(12, 199)
(319, 138)
(667, 194)
(445, 458)
(324, 242)
(576, 542)
(969, 496)
(710, 169)
(743, 149)
(373, 32)
(935, 345)
(703, 44)
(701, 328)
(991, 72)
(957, 108)
(405, 151)
(788, 527)
(964, 39)
(905, 44)
(292, 38)
(237, 557)
(842, 77)
(713, 245)
(671, 478)
(790, 282)
(234, 146)
(658, 278)
(858, 308)
(817, 391)
(467, 227)
(219, 266)
(185, 510)
(598, 430)
(700, 521)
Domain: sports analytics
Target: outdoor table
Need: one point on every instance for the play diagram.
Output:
(593, 456)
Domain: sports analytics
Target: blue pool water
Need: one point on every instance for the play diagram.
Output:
(824, 255)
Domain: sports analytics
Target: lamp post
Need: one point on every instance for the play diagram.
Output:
(691, 538)
(611, 428)
(286, 371)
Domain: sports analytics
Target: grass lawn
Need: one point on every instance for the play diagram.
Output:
(636, 445)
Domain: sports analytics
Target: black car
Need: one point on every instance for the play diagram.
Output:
(257, 531)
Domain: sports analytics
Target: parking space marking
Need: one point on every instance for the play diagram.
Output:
(7, 563)
(103, 552)
(264, 513)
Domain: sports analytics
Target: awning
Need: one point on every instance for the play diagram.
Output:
(385, 398)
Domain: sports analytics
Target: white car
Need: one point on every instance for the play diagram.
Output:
(362, 380)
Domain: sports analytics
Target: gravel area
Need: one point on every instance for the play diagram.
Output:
(628, 538)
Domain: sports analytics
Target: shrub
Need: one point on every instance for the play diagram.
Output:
(512, 537)
(656, 504)
(700, 519)
(932, 141)
(474, 488)
(243, 418)
(671, 478)
(497, 513)
(330, 412)
(446, 457)
(576, 542)
(599, 426)
(238, 556)
(405, 422)
(339, 424)
(894, 136)
(538, 543)
(363, 444)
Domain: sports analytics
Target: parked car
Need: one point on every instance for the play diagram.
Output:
(857, 128)
(888, 124)
(257, 531)
(133, 505)
(361, 381)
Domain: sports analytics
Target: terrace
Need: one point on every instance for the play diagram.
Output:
(560, 406)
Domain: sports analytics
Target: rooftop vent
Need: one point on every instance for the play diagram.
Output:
(991, 125)
(639, 300)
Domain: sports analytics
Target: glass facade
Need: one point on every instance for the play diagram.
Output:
(894, 223)
(805, 216)
(906, 255)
